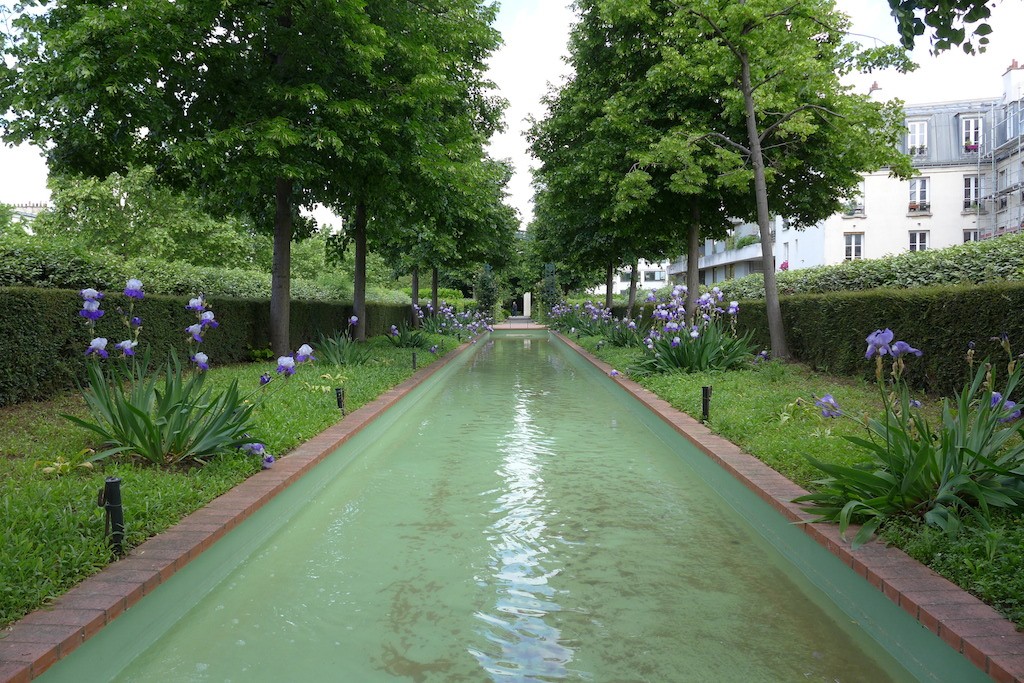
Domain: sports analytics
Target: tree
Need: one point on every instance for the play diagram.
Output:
(129, 214)
(784, 131)
(596, 127)
(268, 106)
(950, 21)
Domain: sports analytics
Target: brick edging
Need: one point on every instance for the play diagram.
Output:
(33, 644)
(990, 641)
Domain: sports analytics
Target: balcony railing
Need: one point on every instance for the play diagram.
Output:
(970, 147)
(918, 151)
(854, 210)
(919, 207)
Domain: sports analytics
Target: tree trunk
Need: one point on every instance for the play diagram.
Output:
(359, 277)
(771, 291)
(693, 264)
(609, 282)
(632, 289)
(433, 289)
(415, 319)
(281, 271)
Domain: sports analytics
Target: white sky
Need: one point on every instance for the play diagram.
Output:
(535, 33)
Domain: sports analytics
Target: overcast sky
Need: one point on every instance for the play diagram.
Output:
(535, 33)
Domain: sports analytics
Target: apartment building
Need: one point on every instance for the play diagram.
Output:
(969, 157)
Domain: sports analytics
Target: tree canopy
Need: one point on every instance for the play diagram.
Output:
(264, 106)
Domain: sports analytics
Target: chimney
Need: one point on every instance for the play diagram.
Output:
(874, 87)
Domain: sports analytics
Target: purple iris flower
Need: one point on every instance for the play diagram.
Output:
(255, 448)
(614, 373)
(734, 307)
(631, 325)
(914, 403)
(304, 354)
(694, 333)
(353, 320)
(676, 341)
(878, 342)
(91, 294)
(91, 309)
(268, 461)
(201, 360)
(126, 347)
(133, 290)
(828, 405)
(901, 347)
(135, 322)
(207, 320)
(197, 305)
(97, 347)
(394, 330)
(286, 365)
(264, 379)
(1008, 406)
(196, 331)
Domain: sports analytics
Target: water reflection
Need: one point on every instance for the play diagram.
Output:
(526, 645)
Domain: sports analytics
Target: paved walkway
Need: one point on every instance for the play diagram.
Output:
(519, 322)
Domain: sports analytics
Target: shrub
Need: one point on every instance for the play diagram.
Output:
(988, 261)
(971, 462)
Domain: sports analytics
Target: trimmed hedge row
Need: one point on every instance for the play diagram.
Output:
(994, 260)
(44, 338)
(31, 262)
(828, 331)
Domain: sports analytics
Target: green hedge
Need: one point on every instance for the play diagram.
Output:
(995, 260)
(30, 262)
(828, 331)
(44, 338)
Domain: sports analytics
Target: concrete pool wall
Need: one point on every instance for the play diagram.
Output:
(39, 640)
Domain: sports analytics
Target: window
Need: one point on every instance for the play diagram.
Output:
(970, 132)
(855, 205)
(918, 240)
(919, 194)
(652, 276)
(917, 137)
(854, 245)
(972, 192)
(971, 235)
(625, 277)
(1001, 186)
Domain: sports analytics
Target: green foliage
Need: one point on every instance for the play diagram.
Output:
(405, 337)
(129, 213)
(971, 462)
(341, 349)
(167, 418)
(993, 260)
(487, 291)
(628, 332)
(715, 348)
(949, 19)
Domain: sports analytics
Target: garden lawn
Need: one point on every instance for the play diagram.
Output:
(51, 530)
(769, 412)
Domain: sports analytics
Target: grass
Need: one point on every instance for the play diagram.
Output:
(51, 530)
(769, 412)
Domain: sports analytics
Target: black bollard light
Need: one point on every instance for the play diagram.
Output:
(705, 403)
(339, 394)
(413, 360)
(110, 501)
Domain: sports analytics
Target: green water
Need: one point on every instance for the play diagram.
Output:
(520, 519)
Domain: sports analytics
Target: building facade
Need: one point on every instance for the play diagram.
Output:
(969, 157)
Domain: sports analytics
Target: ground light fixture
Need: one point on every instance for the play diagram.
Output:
(339, 394)
(705, 404)
(110, 500)
(413, 360)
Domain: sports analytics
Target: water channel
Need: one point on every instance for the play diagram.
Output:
(517, 519)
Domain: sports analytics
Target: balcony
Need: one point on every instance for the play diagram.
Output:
(919, 208)
(919, 151)
(973, 206)
(971, 147)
